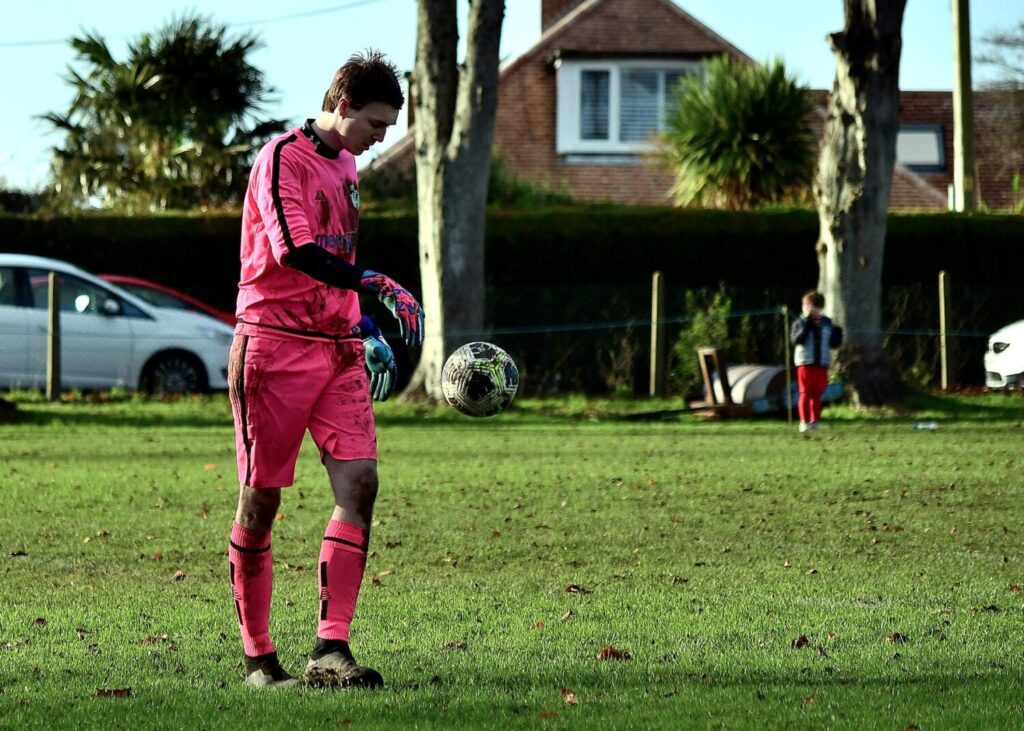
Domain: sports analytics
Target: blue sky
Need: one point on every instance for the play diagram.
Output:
(306, 42)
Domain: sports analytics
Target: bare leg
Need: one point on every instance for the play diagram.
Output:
(355, 489)
(258, 508)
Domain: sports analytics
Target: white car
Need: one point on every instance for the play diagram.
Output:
(1004, 359)
(108, 336)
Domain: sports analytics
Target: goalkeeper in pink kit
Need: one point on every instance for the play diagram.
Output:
(300, 359)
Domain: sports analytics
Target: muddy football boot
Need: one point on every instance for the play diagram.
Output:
(265, 671)
(331, 665)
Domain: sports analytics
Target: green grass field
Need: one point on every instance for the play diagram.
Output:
(731, 574)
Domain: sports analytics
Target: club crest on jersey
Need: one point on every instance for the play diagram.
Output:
(353, 194)
(320, 195)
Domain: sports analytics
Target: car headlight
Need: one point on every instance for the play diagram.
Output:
(218, 336)
(999, 347)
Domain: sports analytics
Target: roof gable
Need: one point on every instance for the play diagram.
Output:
(628, 28)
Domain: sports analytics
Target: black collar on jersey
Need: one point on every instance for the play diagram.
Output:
(321, 147)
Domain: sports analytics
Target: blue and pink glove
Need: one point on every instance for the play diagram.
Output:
(403, 305)
(380, 360)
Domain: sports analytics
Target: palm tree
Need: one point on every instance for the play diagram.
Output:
(175, 125)
(737, 135)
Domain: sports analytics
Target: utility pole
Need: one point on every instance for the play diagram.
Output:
(964, 193)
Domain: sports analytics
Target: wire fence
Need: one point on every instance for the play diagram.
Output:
(596, 339)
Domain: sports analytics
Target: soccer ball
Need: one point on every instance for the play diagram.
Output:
(479, 379)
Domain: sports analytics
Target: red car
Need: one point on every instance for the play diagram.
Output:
(160, 295)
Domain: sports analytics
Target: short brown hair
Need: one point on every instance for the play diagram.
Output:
(816, 298)
(365, 78)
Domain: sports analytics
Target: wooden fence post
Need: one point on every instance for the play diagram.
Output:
(657, 374)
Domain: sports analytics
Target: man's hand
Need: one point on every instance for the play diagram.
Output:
(379, 360)
(403, 305)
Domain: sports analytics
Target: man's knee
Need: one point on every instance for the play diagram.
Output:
(258, 508)
(365, 484)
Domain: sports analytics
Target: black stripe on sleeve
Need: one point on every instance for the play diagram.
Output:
(275, 191)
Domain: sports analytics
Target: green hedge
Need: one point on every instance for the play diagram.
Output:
(580, 245)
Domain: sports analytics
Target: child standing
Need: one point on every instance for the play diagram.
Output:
(814, 336)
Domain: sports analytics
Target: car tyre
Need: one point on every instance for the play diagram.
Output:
(173, 374)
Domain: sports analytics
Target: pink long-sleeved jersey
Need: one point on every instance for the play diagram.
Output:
(300, 191)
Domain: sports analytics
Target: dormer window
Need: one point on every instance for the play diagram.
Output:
(614, 106)
(919, 147)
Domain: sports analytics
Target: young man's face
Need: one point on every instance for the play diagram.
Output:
(362, 128)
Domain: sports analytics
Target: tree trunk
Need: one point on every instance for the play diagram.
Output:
(852, 189)
(454, 111)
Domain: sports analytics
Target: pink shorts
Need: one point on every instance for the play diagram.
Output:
(279, 388)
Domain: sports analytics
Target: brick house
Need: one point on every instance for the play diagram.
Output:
(559, 122)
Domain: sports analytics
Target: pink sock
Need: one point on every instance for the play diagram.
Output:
(251, 567)
(342, 561)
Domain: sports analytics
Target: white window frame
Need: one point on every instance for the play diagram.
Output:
(569, 71)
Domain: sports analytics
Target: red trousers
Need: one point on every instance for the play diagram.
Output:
(811, 380)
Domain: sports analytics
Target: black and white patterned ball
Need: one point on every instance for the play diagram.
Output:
(479, 379)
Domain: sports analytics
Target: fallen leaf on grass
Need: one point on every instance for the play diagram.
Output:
(896, 638)
(799, 642)
(547, 714)
(456, 645)
(158, 556)
(39, 621)
(576, 589)
(113, 692)
(153, 639)
(569, 697)
(209, 466)
(1015, 588)
(808, 700)
(569, 614)
(613, 653)
(538, 625)
(179, 576)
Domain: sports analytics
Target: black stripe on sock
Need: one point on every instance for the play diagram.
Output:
(360, 546)
(254, 551)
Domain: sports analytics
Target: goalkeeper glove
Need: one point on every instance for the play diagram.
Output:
(403, 305)
(380, 361)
